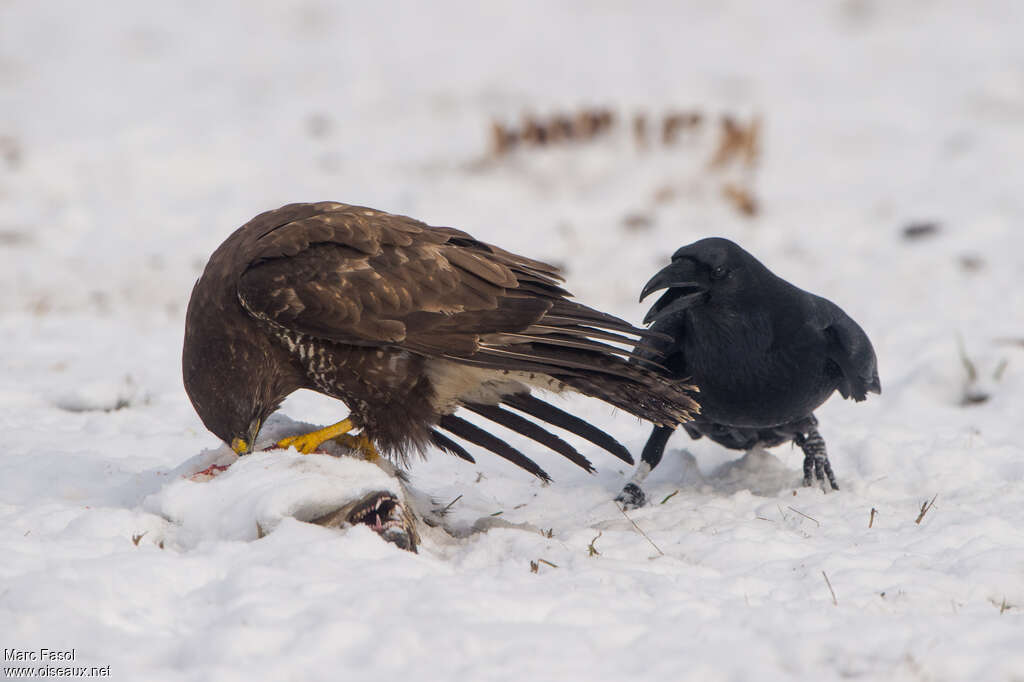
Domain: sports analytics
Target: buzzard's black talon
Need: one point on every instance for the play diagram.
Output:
(631, 497)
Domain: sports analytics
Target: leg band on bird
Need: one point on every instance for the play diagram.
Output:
(816, 463)
(632, 495)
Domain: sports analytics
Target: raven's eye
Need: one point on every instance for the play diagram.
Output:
(718, 273)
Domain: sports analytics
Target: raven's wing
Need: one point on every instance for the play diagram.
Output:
(849, 347)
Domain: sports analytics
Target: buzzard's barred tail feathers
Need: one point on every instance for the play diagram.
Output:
(579, 343)
(474, 434)
(585, 332)
(535, 407)
(525, 427)
(650, 398)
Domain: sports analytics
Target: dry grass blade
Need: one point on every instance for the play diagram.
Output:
(449, 505)
(835, 602)
(670, 496)
(741, 199)
(640, 530)
(804, 515)
(591, 548)
(924, 509)
(871, 518)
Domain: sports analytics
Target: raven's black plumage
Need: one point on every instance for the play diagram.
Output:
(763, 353)
(406, 323)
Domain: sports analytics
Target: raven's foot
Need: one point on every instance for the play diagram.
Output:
(816, 464)
(631, 497)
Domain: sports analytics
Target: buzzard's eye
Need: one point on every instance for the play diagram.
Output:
(718, 272)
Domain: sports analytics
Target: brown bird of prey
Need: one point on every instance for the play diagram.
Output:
(405, 323)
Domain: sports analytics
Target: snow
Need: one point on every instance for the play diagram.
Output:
(135, 136)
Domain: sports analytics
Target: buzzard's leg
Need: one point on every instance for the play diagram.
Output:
(362, 443)
(816, 464)
(308, 442)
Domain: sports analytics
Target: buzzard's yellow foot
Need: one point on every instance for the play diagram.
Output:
(308, 442)
(362, 443)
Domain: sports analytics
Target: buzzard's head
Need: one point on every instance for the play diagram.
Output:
(227, 398)
(233, 374)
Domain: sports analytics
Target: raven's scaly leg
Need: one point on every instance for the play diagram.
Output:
(816, 464)
(632, 495)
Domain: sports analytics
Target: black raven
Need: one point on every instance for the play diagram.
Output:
(763, 353)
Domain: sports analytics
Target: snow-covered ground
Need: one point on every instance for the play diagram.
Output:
(135, 136)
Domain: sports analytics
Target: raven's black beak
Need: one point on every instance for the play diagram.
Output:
(681, 279)
(678, 273)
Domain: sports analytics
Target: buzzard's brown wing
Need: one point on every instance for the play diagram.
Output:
(362, 277)
(357, 276)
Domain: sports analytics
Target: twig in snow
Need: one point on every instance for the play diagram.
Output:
(591, 549)
(924, 509)
(535, 565)
(449, 505)
(498, 513)
(871, 518)
(670, 496)
(804, 515)
(835, 602)
(136, 538)
(1004, 606)
(972, 395)
(640, 530)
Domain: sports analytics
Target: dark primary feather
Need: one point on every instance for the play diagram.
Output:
(764, 353)
(533, 406)
(405, 323)
(527, 428)
(476, 435)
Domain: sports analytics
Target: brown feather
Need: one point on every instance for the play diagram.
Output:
(368, 307)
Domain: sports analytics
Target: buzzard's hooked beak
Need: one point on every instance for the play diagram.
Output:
(244, 446)
(681, 279)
